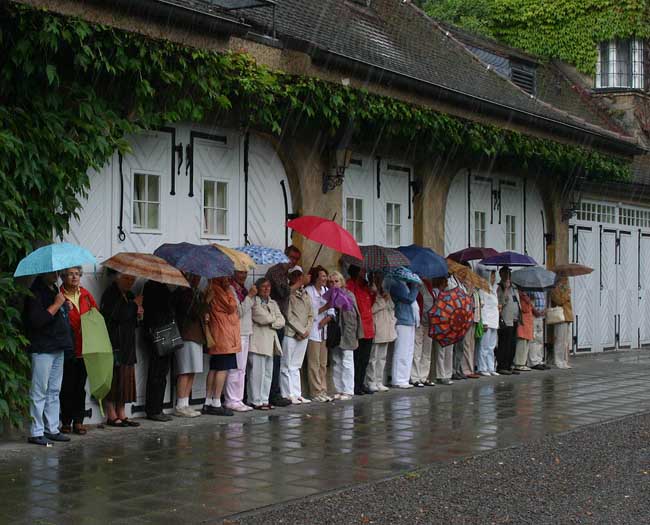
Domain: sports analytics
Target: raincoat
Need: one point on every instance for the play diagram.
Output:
(489, 300)
(526, 317)
(224, 321)
(86, 303)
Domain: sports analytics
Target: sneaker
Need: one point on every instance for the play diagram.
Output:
(522, 369)
(372, 388)
(161, 418)
(429, 383)
(495, 374)
(504, 372)
(57, 437)
(185, 412)
(39, 440)
(383, 388)
(295, 400)
(486, 373)
(539, 367)
(320, 398)
(445, 382)
(418, 384)
(304, 400)
(344, 397)
(239, 407)
(407, 385)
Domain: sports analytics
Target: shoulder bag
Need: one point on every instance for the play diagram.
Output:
(555, 315)
(333, 338)
(166, 338)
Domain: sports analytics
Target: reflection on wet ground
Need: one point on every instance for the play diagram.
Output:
(208, 468)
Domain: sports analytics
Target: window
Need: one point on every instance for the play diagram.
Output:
(634, 217)
(393, 224)
(511, 233)
(620, 64)
(215, 208)
(479, 229)
(146, 201)
(354, 217)
(593, 212)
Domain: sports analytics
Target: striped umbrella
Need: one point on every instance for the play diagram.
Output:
(147, 266)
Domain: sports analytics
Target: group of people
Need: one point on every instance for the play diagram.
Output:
(258, 340)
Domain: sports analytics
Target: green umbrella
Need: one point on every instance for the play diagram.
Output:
(97, 353)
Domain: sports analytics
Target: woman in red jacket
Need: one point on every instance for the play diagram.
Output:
(358, 285)
(73, 388)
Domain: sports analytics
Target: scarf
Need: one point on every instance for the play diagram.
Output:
(240, 291)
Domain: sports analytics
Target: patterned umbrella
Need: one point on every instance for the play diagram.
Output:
(376, 258)
(147, 266)
(205, 260)
(404, 274)
(572, 270)
(450, 317)
(263, 255)
(472, 253)
(243, 262)
(509, 259)
(466, 276)
(52, 258)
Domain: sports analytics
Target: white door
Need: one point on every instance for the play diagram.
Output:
(394, 207)
(627, 290)
(644, 290)
(358, 200)
(481, 216)
(585, 291)
(608, 302)
(511, 217)
(456, 214)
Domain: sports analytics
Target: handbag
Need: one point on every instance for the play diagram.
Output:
(479, 330)
(333, 338)
(166, 338)
(555, 315)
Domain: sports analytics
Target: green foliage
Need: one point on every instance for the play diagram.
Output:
(72, 91)
(566, 29)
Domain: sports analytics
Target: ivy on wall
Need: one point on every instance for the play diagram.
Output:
(566, 29)
(71, 91)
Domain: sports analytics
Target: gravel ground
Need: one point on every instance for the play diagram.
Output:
(598, 474)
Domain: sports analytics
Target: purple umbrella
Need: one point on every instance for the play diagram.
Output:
(337, 298)
(205, 260)
(472, 254)
(509, 259)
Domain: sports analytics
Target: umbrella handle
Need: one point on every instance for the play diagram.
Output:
(313, 263)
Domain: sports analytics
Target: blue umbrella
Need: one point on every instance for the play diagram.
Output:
(205, 261)
(404, 274)
(263, 255)
(54, 257)
(425, 262)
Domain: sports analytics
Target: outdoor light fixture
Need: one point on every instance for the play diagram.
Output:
(339, 162)
(568, 213)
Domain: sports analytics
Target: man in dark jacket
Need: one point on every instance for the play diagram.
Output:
(50, 336)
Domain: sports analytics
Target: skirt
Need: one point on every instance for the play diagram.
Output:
(222, 362)
(123, 385)
(189, 359)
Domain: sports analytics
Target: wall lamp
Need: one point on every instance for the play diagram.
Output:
(339, 161)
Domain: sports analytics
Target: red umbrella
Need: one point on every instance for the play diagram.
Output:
(450, 317)
(472, 253)
(328, 233)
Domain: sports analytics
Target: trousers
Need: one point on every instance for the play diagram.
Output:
(376, 365)
(486, 348)
(343, 370)
(421, 355)
(73, 391)
(361, 360)
(469, 346)
(521, 352)
(293, 354)
(317, 367)
(444, 361)
(235, 381)
(562, 344)
(403, 355)
(260, 375)
(506, 348)
(47, 375)
(156, 381)
(536, 346)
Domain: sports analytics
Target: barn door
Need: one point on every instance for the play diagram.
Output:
(627, 290)
(608, 302)
(584, 289)
(511, 216)
(394, 208)
(643, 278)
(481, 217)
(359, 192)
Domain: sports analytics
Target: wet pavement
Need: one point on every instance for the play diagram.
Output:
(209, 468)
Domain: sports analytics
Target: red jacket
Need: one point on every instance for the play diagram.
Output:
(86, 302)
(365, 300)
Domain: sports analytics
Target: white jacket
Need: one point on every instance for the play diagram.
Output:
(490, 308)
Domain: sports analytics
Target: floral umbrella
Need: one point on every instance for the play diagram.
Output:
(450, 317)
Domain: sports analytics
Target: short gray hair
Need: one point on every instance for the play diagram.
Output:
(64, 272)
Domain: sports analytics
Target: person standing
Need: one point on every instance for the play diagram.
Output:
(121, 311)
(298, 324)
(423, 343)
(403, 295)
(267, 319)
(278, 275)
(48, 330)
(235, 382)
(469, 341)
(317, 344)
(384, 321)
(444, 355)
(509, 317)
(561, 296)
(343, 368)
(73, 390)
(490, 320)
(536, 346)
(223, 324)
(524, 332)
(358, 285)
(190, 308)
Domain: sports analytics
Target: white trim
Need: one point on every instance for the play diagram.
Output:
(161, 189)
(216, 236)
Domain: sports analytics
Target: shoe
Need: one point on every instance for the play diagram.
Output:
(373, 389)
(446, 382)
(458, 377)
(304, 400)
(486, 374)
(540, 367)
(239, 407)
(515, 372)
(160, 418)
(504, 372)
(359, 392)
(366, 390)
(383, 388)
(404, 387)
(320, 398)
(295, 400)
(418, 384)
(185, 412)
(79, 428)
(472, 376)
(126, 422)
(546, 367)
(495, 374)
(280, 402)
(522, 368)
(429, 383)
(117, 422)
(66, 429)
(217, 411)
(39, 440)
(57, 437)
(344, 397)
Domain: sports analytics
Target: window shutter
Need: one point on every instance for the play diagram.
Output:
(524, 77)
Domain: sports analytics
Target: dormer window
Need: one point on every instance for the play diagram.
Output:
(620, 64)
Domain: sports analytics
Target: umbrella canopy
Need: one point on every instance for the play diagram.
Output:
(377, 258)
(450, 317)
(205, 261)
(533, 278)
(473, 253)
(97, 353)
(147, 266)
(263, 255)
(337, 298)
(425, 262)
(243, 262)
(404, 274)
(327, 233)
(54, 257)
(466, 276)
(572, 270)
(509, 259)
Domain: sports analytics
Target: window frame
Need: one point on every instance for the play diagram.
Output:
(511, 233)
(627, 52)
(355, 220)
(147, 230)
(216, 181)
(393, 224)
(480, 232)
